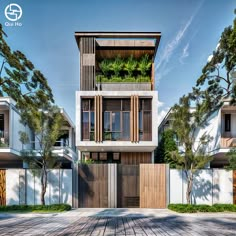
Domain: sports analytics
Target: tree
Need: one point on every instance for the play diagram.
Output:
(219, 73)
(20, 80)
(130, 65)
(166, 146)
(186, 124)
(232, 159)
(46, 125)
(144, 65)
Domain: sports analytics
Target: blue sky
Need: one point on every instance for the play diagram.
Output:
(190, 32)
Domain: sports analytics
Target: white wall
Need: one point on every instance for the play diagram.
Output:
(213, 129)
(59, 189)
(210, 186)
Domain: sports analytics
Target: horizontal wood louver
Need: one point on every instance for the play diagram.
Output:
(134, 119)
(98, 118)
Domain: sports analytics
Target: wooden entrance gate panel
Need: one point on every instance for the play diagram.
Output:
(93, 185)
(2, 187)
(127, 186)
(153, 186)
(234, 187)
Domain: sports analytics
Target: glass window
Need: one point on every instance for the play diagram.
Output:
(115, 121)
(126, 125)
(85, 124)
(107, 125)
(91, 121)
(1, 125)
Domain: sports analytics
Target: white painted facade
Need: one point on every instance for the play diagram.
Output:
(117, 146)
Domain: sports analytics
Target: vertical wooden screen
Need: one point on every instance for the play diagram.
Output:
(234, 187)
(134, 119)
(153, 186)
(87, 63)
(98, 118)
(2, 187)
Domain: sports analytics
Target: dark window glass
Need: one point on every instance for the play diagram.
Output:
(115, 121)
(147, 126)
(126, 125)
(125, 104)
(227, 122)
(107, 125)
(1, 125)
(91, 121)
(85, 124)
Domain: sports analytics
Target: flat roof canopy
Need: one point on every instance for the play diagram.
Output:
(124, 40)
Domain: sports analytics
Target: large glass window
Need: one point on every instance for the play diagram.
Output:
(116, 119)
(88, 125)
(1, 125)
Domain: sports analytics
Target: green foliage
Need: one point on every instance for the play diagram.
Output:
(129, 79)
(105, 67)
(117, 65)
(187, 208)
(217, 81)
(130, 65)
(232, 159)
(165, 147)
(115, 79)
(144, 65)
(20, 80)
(141, 78)
(36, 208)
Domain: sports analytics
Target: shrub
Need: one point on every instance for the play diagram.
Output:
(144, 65)
(186, 208)
(53, 207)
(129, 79)
(115, 79)
(141, 78)
(130, 65)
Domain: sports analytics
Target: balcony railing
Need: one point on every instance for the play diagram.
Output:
(4, 139)
(227, 142)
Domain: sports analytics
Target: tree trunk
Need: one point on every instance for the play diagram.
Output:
(43, 184)
(189, 185)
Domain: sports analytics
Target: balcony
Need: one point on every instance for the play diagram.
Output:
(112, 86)
(4, 139)
(227, 142)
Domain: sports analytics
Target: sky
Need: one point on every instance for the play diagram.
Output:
(190, 32)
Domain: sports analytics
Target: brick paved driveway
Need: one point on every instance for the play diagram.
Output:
(118, 222)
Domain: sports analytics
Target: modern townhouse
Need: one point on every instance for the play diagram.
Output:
(220, 126)
(11, 147)
(115, 115)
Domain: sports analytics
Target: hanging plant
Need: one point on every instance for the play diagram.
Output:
(130, 65)
(144, 65)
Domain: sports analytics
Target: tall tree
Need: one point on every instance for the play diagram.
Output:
(219, 73)
(186, 124)
(46, 125)
(166, 145)
(20, 80)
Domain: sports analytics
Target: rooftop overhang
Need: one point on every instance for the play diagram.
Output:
(123, 42)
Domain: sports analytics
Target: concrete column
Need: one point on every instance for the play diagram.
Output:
(112, 185)
(153, 158)
(75, 186)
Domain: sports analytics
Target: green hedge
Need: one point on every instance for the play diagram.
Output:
(32, 208)
(186, 208)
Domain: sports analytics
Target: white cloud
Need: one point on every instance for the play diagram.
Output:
(169, 49)
(185, 53)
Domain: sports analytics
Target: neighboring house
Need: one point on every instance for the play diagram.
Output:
(114, 121)
(10, 145)
(221, 126)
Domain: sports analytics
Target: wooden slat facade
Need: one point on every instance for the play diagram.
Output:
(93, 185)
(2, 187)
(98, 118)
(134, 119)
(127, 186)
(234, 187)
(135, 158)
(153, 186)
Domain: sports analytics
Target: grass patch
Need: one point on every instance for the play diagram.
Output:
(186, 208)
(35, 208)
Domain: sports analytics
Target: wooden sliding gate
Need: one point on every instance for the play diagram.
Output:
(122, 186)
(93, 185)
(2, 187)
